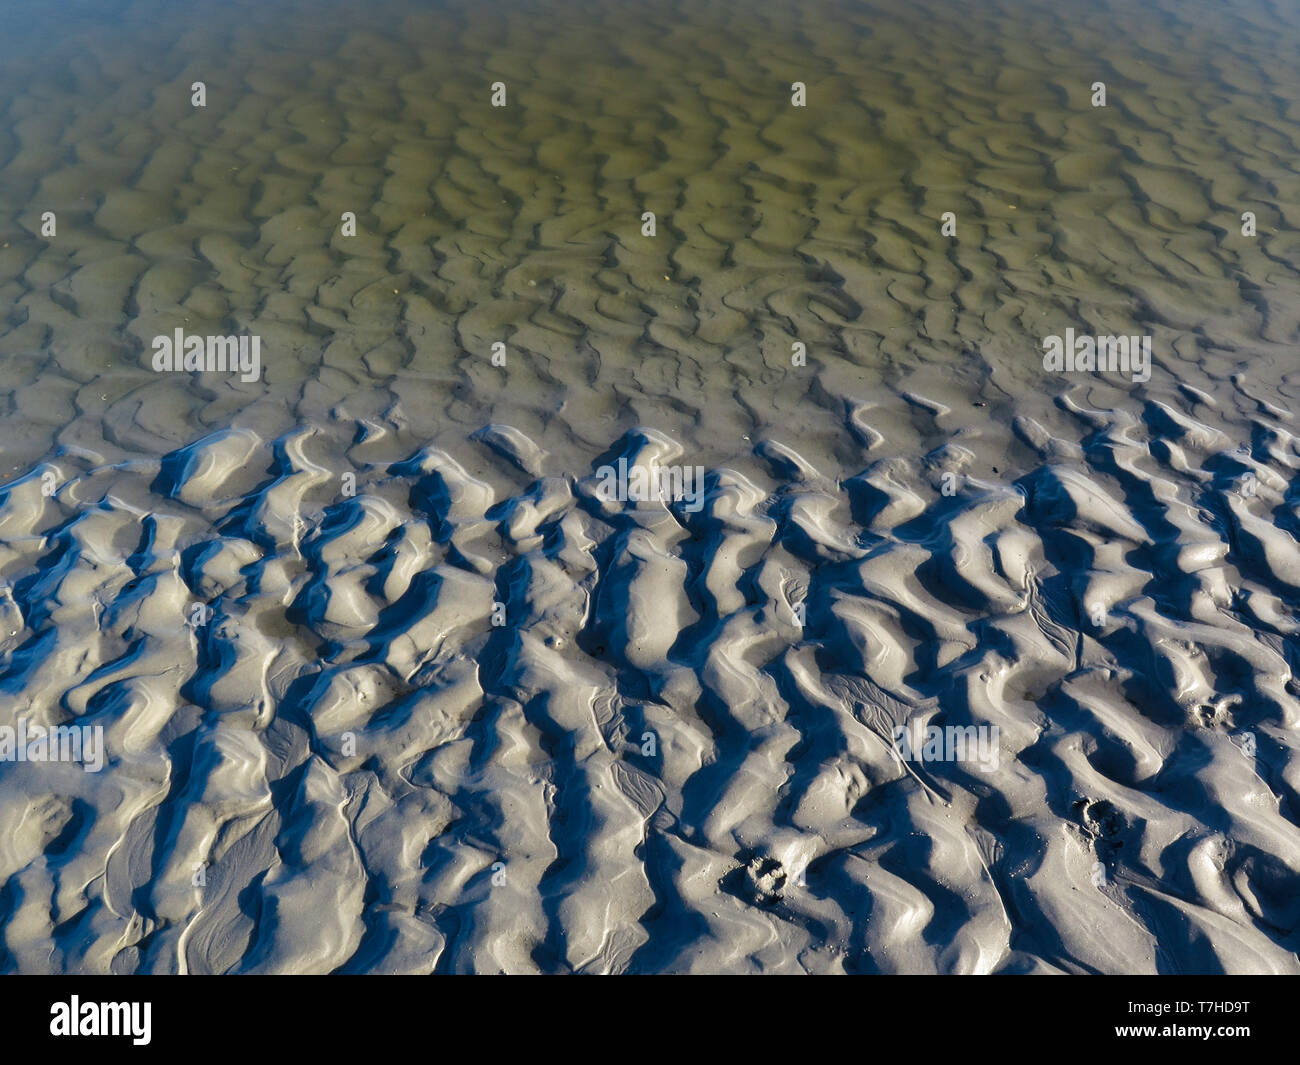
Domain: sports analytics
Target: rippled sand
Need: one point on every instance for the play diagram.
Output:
(649, 763)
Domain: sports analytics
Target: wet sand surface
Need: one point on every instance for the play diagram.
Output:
(387, 686)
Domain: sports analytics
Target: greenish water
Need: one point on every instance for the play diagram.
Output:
(522, 224)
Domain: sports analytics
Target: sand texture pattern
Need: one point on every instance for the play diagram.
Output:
(388, 685)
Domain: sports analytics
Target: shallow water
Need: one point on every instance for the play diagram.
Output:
(947, 515)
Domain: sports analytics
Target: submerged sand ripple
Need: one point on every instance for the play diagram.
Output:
(522, 225)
